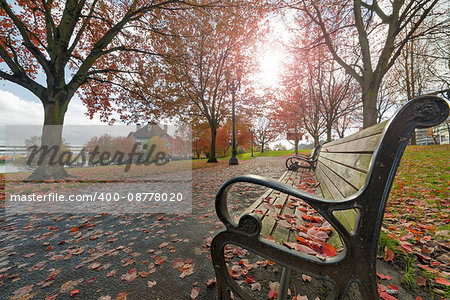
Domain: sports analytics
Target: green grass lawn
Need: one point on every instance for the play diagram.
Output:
(246, 156)
(416, 223)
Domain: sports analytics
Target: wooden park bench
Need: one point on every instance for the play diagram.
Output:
(354, 177)
(303, 162)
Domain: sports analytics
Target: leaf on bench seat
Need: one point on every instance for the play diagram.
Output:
(317, 234)
(305, 249)
(269, 206)
(290, 245)
(287, 225)
(325, 226)
(302, 228)
(302, 240)
(328, 250)
(311, 218)
(267, 199)
(282, 217)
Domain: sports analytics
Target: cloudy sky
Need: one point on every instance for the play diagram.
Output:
(18, 109)
(22, 116)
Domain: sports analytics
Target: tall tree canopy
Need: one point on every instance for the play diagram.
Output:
(94, 47)
(199, 49)
(365, 37)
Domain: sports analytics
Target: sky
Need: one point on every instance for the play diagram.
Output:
(19, 107)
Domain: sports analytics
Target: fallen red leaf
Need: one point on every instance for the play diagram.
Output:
(328, 250)
(273, 294)
(388, 254)
(441, 280)
(387, 277)
(386, 296)
(210, 282)
(421, 281)
(249, 279)
(393, 287)
(194, 292)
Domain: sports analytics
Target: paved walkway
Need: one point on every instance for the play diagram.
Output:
(124, 256)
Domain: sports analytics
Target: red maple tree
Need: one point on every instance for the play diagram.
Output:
(94, 48)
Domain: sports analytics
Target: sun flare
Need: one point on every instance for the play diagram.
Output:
(270, 66)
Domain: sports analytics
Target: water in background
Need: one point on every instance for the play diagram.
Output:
(9, 167)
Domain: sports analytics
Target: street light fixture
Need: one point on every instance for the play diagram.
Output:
(251, 139)
(233, 85)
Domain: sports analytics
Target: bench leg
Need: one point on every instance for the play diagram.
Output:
(225, 284)
(284, 283)
(220, 267)
(366, 283)
(369, 287)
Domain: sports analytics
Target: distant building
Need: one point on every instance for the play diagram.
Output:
(440, 132)
(175, 145)
(144, 133)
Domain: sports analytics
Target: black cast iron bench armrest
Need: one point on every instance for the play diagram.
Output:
(324, 206)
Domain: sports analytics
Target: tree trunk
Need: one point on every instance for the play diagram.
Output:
(51, 167)
(262, 145)
(413, 138)
(316, 140)
(329, 132)
(369, 97)
(212, 155)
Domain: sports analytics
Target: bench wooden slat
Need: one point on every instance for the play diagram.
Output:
(328, 188)
(365, 145)
(270, 217)
(298, 213)
(374, 130)
(257, 204)
(279, 232)
(330, 191)
(357, 161)
(349, 180)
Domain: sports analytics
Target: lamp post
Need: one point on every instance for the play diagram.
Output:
(251, 139)
(233, 85)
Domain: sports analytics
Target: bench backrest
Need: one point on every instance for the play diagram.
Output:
(363, 166)
(342, 165)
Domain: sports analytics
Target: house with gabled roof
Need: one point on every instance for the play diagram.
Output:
(144, 133)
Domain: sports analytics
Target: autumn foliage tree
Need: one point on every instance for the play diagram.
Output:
(109, 144)
(95, 48)
(199, 49)
(201, 138)
(365, 37)
(337, 93)
(286, 117)
(224, 134)
(299, 108)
